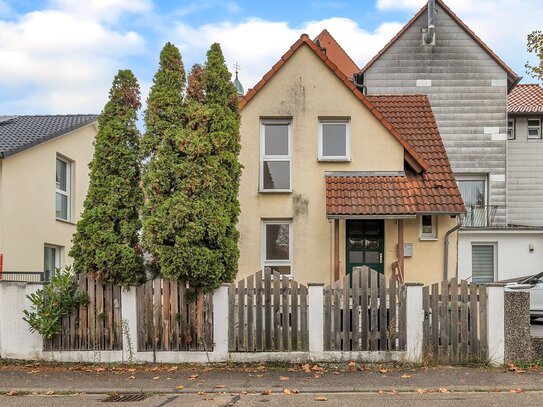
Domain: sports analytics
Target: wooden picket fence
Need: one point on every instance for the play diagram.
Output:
(268, 312)
(363, 313)
(455, 329)
(171, 318)
(96, 326)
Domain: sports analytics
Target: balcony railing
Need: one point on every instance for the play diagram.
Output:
(480, 216)
(23, 276)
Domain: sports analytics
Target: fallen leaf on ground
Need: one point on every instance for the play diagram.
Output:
(383, 370)
(421, 391)
(320, 398)
(443, 390)
(132, 377)
(180, 387)
(200, 393)
(306, 368)
(283, 378)
(12, 393)
(243, 392)
(406, 376)
(261, 367)
(156, 377)
(295, 391)
(265, 392)
(516, 391)
(193, 377)
(286, 391)
(100, 369)
(50, 393)
(173, 369)
(220, 386)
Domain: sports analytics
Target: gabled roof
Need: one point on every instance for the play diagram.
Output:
(336, 53)
(525, 99)
(412, 157)
(434, 191)
(17, 133)
(512, 76)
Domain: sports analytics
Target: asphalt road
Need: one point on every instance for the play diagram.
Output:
(337, 400)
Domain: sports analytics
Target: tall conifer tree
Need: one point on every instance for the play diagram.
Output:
(166, 206)
(106, 242)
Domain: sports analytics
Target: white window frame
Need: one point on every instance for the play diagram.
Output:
(538, 128)
(270, 263)
(57, 250)
(512, 128)
(347, 156)
(433, 234)
(486, 243)
(264, 157)
(68, 192)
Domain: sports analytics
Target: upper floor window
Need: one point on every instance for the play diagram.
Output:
(511, 129)
(275, 162)
(428, 229)
(334, 140)
(534, 128)
(63, 189)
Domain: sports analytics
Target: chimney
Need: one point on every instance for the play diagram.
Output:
(429, 35)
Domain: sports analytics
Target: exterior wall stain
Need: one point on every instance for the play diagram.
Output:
(300, 205)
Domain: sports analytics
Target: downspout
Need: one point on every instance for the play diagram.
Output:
(446, 257)
(429, 37)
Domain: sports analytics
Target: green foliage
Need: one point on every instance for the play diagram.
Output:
(535, 45)
(106, 242)
(57, 299)
(191, 179)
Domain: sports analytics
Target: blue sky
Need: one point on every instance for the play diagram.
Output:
(59, 56)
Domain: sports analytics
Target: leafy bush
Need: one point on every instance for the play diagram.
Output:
(57, 299)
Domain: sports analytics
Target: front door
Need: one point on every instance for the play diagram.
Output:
(365, 244)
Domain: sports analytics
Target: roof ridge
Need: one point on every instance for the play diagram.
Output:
(325, 31)
(463, 25)
(414, 158)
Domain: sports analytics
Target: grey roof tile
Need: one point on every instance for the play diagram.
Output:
(17, 133)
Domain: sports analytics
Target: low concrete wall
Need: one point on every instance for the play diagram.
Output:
(537, 349)
(16, 340)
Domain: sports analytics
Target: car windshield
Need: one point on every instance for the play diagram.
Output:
(538, 278)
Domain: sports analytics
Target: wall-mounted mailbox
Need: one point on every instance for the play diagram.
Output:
(408, 249)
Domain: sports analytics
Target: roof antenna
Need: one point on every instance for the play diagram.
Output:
(429, 36)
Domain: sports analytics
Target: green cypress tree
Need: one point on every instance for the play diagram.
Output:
(220, 197)
(166, 206)
(106, 242)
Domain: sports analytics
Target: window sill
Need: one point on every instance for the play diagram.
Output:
(428, 239)
(65, 221)
(334, 159)
(275, 191)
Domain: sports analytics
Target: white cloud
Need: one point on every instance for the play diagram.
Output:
(63, 59)
(257, 44)
(400, 4)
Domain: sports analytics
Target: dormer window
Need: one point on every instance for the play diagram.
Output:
(334, 140)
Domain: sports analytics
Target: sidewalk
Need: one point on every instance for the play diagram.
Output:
(344, 378)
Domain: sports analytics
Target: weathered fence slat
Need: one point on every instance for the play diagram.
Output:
(364, 328)
(328, 318)
(276, 310)
(355, 326)
(294, 310)
(250, 313)
(464, 307)
(304, 326)
(285, 312)
(346, 313)
(454, 318)
(241, 316)
(268, 310)
(258, 293)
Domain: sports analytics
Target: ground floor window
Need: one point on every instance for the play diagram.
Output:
(483, 264)
(428, 229)
(51, 261)
(277, 245)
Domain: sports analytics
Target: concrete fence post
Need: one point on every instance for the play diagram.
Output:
(315, 318)
(16, 340)
(414, 322)
(220, 323)
(129, 321)
(495, 323)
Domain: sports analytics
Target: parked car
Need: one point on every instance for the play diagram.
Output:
(534, 285)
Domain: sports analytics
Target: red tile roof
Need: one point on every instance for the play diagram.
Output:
(512, 76)
(412, 157)
(525, 99)
(337, 54)
(435, 191)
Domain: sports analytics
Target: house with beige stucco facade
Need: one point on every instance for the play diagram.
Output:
(43, 183)
(334, 179)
